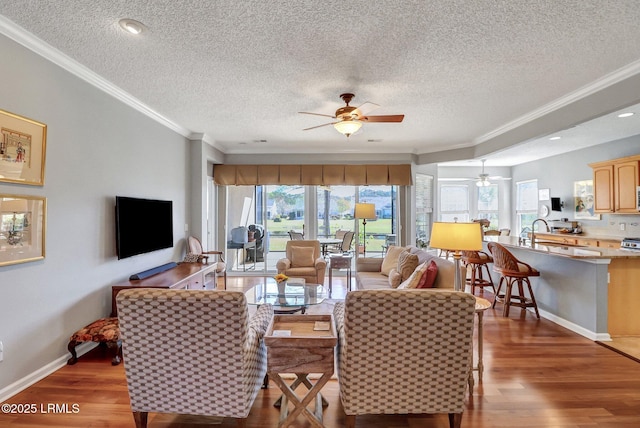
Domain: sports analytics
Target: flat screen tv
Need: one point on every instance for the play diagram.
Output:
(142, 226)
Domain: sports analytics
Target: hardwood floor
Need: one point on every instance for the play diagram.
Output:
(537, 374)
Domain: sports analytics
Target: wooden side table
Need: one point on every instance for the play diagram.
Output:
(340, 261)
(481, 306)
(300, 344)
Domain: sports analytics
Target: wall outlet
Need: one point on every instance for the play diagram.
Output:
(1, 352)
(622, 226)
(186, 227)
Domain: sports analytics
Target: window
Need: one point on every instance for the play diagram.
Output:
(424, 209)
(526, 204)
(335, 209)
(381, 231)
(454, 202)
(488, 205)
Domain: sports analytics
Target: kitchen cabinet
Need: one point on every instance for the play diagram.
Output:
(615, 184)
(603, 189)
(569, 239)
(609, 244)
(625, 186)
(589, 242)
(560, 239)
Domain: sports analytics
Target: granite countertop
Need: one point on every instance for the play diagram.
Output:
(558, 249)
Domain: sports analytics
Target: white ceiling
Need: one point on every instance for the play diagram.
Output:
(464, 73)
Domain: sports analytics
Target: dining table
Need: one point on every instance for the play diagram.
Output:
(326, 242)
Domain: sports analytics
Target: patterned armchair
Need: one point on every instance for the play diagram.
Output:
(404, 352)
(303, 260)
(193, 352)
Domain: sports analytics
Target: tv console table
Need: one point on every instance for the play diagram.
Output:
(192, 276)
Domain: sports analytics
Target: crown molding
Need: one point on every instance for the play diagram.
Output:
(590, 89)
(43, 49)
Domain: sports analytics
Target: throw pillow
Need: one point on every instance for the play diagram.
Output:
(390, 260)
(394, 278)
(302, 257)
(413, 279)
(407, 263)
(429, 276)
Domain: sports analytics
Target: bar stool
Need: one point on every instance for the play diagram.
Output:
(512, 271)
(477, 260)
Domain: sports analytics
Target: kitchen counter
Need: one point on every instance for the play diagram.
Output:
(571, 251)
(592, 291)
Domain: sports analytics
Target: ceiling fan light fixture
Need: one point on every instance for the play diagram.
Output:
(483, 182)
(347, 127)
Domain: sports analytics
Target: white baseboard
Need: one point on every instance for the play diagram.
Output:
(592, 335)
(21, 384)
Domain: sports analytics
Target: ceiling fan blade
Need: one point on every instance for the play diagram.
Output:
(365, 108)
(385, 118)
(319, 126)
(317, 114)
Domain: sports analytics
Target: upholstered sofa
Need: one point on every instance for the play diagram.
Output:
(370, 276)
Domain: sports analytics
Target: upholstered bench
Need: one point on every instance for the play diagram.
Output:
(105, 331)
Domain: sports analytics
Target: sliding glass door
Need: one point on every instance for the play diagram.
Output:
(262, 216)
(260, 219)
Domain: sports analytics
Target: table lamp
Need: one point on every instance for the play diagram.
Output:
(364, 211)
(456, 237)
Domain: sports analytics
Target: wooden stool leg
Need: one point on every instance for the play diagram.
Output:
(533, 299)
(473, 278)
(497, 293)
(507, 297)
(486, 267)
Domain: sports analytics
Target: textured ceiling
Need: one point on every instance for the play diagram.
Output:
(240, 71)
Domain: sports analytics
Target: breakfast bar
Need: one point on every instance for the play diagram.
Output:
(593, 291)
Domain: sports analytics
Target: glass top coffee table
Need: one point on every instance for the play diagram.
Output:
(286, 297)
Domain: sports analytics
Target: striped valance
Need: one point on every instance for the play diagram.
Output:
(327, 175)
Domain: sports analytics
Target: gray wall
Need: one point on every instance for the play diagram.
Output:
(97, 148)
(558, 173)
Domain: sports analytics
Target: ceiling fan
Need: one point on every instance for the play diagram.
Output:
(482, 180)
(350, 119)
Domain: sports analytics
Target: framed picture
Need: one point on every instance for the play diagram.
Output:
(543, 194)
(22, 228)
(584, 200)
(22, 149)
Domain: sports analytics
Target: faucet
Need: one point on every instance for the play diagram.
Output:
(533, 233)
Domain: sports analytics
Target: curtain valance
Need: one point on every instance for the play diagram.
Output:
(327, 175)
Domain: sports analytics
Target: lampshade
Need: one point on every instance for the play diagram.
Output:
(456, 236)
(347, 127)
(366, 211)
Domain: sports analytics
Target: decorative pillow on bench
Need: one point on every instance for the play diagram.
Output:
(390, 260)
(407, 264)
(422, 277)
(429, 277)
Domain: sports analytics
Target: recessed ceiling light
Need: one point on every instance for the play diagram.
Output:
(626, 114)
(131, 26)
(555, 138)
